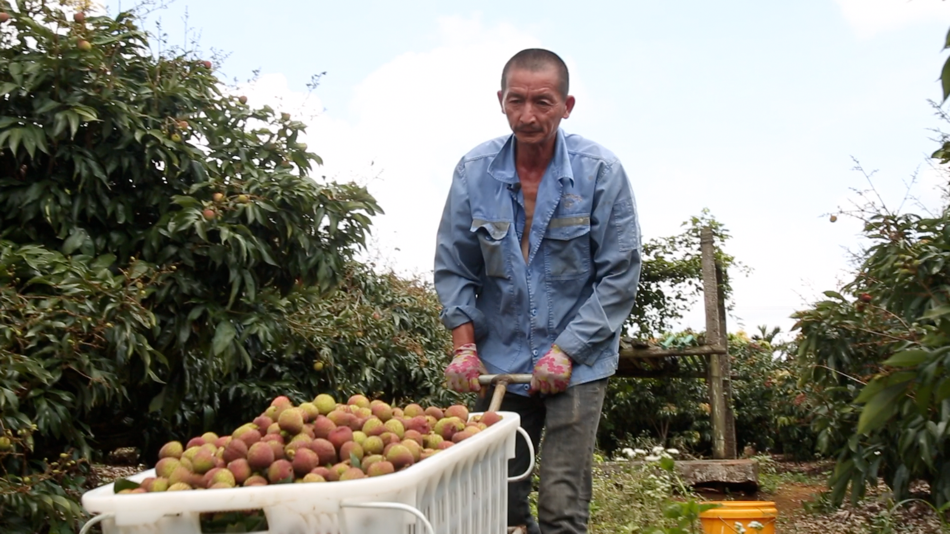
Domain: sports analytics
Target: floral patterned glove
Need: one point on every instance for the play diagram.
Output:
(552, 373)
(462, 373)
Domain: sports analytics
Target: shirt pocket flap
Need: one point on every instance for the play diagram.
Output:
(496, 229)
(565, 228)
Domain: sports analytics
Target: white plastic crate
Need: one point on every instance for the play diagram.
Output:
(461, 490)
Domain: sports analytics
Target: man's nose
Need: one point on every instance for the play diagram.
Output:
(528, 114)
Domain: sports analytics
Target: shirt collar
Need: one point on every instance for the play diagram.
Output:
(502, 167)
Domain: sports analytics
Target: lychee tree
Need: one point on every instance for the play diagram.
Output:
(877, 355)
(153, 231)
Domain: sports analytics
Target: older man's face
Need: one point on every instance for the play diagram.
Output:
(533, 105)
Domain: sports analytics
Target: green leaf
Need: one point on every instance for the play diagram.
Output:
(870, 390)
(74, 241)
(907, 358)
(15, 135)
(138, 269)
(223, 336)
(945, 79)
(103, 262)
(124, 484)
(880, 408)
(673, 511)
(834, 295)
(73, 119)
(667, 463)
(7, 88)
(936, 312)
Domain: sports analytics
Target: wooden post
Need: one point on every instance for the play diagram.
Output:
(714, 337)
(731, 447)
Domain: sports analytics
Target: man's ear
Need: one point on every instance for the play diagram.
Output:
(569, 105)
(501, 102)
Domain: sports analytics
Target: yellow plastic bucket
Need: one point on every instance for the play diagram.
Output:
(722, 520)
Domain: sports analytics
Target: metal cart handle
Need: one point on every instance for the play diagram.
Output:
(95, 519)
(530, 469)
(393, 506)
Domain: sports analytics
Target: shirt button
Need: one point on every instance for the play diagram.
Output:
(535, 352)
(527, 387)
(534, 311)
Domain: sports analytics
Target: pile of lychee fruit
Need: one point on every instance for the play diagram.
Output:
(318, 441)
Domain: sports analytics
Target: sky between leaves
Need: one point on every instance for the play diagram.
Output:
(751, 109)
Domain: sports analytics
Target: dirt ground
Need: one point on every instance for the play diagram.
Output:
(799, 500)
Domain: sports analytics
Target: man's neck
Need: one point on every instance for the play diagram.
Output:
(534, 158)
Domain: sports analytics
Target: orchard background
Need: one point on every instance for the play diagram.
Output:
(170, 262)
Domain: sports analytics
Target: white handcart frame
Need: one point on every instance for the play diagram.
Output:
(461, 490)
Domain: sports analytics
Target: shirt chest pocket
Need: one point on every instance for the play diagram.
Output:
(491, 239)
(567, 248)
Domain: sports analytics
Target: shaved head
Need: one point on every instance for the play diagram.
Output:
(535, 59)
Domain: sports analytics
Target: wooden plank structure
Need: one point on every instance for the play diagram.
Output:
(709, 361)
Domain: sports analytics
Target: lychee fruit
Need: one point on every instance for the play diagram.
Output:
(260, 455)
(463, 435)
(291, 420)
(340, 435)
(457, 410)
(325, 450)
(236, 449)
(305, 460)
(373, 445)
(412, 410)
(382, 411)
(255, 480)
(490, 418)
(353, 473)
(325, 403)
(166, 466)
(399, 456)
(396, 427)
(350, 449)
(172, 449)
(322, 426)
(321, 471)
(380, 468)
(250, 437)
(240, 469)
(280, 472)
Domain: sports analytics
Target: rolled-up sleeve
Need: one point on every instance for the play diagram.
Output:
(458, 259)
(615, 246)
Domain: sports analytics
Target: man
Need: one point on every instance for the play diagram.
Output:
(537, 263)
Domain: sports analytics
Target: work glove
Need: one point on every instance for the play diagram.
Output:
(552, 373)
(462, 374)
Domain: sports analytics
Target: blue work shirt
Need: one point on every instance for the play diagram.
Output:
(580, 279)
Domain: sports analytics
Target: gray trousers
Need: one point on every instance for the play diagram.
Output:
(569, 421)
